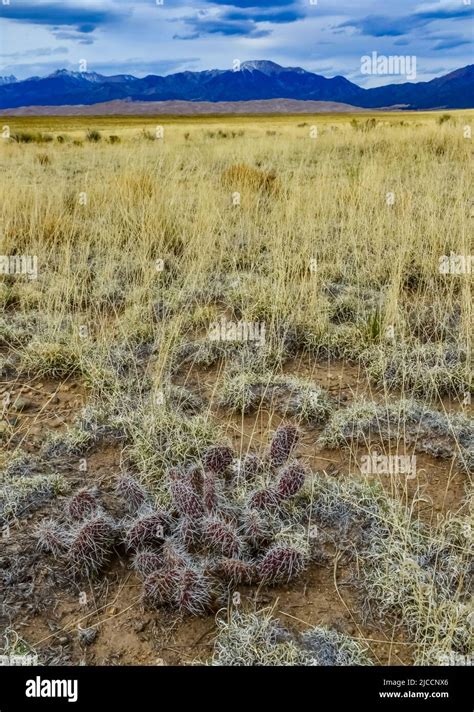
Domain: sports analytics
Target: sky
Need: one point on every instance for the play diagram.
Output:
(328, 37)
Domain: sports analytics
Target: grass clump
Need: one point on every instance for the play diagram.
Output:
(18, 494)
(250, 639)
(243, 177)
(53, 359)
(16, 330)
(415, 577)
(246, 391)
(257, 639)
(31, 137)
(439, 434)
(428, 370)
(96, 423)
(339, 341)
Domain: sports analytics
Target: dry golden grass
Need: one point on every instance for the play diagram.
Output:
(166, 199)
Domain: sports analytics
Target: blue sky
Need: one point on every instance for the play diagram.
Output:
(143, 37)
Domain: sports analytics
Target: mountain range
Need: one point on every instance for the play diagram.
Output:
(256, 80)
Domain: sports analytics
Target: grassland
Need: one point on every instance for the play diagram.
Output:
(326, 230)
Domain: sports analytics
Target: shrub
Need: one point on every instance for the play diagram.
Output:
(93, 136)
(243, 176)
(444, 118)
(43, 159)
(31, 137)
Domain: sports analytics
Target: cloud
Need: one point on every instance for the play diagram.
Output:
(388, 26)
(221, 26)
(451, 43)
(253, 3)
(40, 52)
(274, 16)
(84, 17)
(75, 36)
(242, 20)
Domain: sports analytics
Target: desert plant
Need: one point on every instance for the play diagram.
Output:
(133, 494)
(43, 159)
(291, 481)
(218, 458)
(185, 498)
(266, 498)
(160, 587)
(149, 527)
(234, 571)
(193, 591)
(249, 639)
(91, 544)
(51, 537)
(283, 442)
(444, 118)
(282, 562)
(147, 561)
(82, 504)
(221, 537)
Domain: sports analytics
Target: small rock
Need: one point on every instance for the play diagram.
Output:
(22, 404)
(140, 626)
(87, 635)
